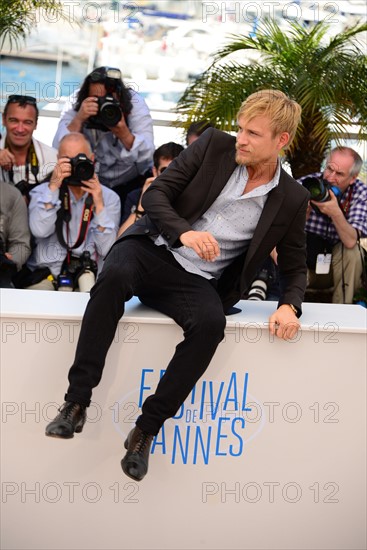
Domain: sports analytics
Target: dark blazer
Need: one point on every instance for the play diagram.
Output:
(188, 187)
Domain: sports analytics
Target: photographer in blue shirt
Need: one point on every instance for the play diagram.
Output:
(117, 123)
(74, 220)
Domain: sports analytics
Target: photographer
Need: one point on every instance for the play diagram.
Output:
(336, 220)
(122, 143)
(24, 161)
(73, 218)
(14, 234)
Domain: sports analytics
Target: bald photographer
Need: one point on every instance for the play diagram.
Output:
(74, 220)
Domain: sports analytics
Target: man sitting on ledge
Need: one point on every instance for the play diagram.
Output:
(212, 218)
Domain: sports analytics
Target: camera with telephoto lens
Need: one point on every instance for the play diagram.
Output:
(7, 268)
(319, 189)
(259, 288)
(82, 169)
(78, 272)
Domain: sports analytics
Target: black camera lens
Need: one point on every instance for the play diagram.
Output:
(82, 169)
(317, 188)
(109, 112)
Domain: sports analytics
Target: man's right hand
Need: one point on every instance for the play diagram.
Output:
(89, 107)
(62, 170)
(204, 244)
(7, 159)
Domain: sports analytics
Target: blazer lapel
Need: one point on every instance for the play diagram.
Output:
(220, 178)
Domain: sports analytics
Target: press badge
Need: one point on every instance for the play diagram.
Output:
(323, 263)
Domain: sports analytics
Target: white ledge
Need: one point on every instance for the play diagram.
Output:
(28, 304)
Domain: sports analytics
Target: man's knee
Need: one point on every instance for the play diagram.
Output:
(211, 323)
(119, 262)
(348, 255)
(115, 275)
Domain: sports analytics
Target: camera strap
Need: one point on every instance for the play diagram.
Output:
(346, 204)
(31, 161)
(64, 216)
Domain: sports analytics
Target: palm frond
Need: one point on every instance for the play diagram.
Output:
(326, 76)
(19, 17)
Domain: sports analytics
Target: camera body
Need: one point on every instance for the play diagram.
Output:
(259, 288)
(82, 169)
(80, 271)
(319, 189)
(109, 114)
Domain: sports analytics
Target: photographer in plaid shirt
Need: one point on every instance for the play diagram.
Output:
(337, 224)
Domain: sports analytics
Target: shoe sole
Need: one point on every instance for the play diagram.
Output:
(56, 436)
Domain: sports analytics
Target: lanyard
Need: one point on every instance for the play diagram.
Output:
(31, 161)
(64, 215)
(345, 207)
(346, 204)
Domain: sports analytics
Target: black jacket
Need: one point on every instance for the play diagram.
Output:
(188, 187)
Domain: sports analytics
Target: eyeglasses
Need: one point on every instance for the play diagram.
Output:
(26, 99)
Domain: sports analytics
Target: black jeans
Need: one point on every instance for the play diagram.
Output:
(136, 266)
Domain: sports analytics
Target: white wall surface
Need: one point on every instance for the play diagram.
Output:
(290, 473)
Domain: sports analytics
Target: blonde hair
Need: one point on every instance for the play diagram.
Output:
(284, 113)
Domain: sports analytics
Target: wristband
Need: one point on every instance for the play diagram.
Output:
(293, 308)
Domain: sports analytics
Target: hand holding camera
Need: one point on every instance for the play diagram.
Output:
(105, 112)
(325, 197)
(94, 187)
(329, 208)
(88, 108)
(72, 171)
(61, 171)
(77, 172)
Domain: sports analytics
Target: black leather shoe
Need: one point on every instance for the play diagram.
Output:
(135, 462)
(70, 419)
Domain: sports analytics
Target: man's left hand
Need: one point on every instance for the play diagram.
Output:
(329, 208)
(94, 187)
(284, 323)
(122, 132)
